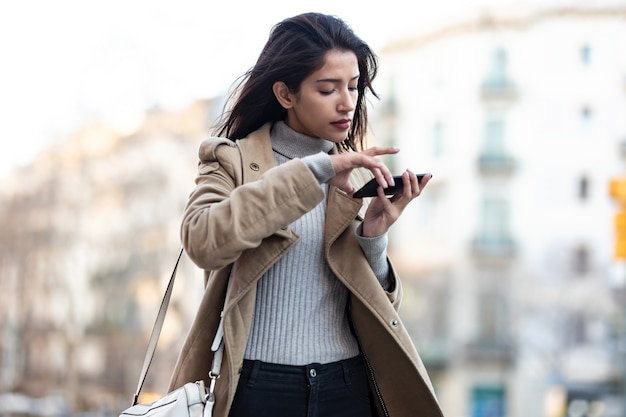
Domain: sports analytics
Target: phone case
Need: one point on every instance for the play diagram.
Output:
(369, 189)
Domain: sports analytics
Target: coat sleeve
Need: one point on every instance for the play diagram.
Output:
(224, 217)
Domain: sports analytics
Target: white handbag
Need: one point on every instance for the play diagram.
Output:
(193, 399)
(190, 400)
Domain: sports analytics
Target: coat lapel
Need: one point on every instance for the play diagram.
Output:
(341, 210)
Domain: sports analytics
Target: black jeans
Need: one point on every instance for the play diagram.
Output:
(336, 389)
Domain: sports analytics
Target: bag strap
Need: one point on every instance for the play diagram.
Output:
(217, 347)
(156, 330)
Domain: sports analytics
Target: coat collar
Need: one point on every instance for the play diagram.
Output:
(256, 153)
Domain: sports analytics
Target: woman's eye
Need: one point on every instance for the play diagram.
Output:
(326, 92)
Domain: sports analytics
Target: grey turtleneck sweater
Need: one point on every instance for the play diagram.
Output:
(300, 311)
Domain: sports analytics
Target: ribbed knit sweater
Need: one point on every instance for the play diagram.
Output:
(300, 311)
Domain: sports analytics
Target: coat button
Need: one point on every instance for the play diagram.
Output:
(394, 323)
(254, 166)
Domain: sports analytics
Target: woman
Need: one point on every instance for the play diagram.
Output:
(310, 316)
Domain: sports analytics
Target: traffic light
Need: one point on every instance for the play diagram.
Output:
(617, 190)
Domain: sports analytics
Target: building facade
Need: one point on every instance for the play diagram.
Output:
(521, 117)
(90, 234)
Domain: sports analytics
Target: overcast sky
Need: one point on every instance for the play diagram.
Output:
(67, 62)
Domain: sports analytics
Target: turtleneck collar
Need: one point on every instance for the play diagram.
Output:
(291, 144)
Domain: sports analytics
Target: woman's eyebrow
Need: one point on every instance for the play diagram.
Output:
(335, 80)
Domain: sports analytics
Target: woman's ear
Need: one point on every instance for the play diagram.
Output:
(283, 95)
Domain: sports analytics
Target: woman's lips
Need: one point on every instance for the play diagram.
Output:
(342, 124)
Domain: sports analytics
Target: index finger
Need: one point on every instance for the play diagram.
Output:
(381, 150)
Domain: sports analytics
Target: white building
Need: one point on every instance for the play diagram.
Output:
(521, 117)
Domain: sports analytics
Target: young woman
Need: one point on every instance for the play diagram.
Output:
(310, 315)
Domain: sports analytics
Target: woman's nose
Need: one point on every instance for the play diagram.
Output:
(347, 102)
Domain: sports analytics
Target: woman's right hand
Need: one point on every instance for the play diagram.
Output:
(344, 163)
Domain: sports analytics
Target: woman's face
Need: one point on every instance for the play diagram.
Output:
(324, 106)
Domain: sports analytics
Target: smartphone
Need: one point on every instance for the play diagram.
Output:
(369, 189)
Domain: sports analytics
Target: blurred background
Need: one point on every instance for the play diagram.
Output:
(512, 259)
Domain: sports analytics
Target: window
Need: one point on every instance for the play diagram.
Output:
(494, 136)
(493, 237)
(491, 313)
(575, 330)
(497, 72)
(494, 156)
(488, 401)
(583, 188)
(585, 114)
(585, 54)
(581, 260)
(495, 221)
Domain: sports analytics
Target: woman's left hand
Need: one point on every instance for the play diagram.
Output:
(382, 211)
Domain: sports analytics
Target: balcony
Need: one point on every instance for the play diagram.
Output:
(496, 163)
(436, 356)
(494, 247)
(499, 90)
(489, 351)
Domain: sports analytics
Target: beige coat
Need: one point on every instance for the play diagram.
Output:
(259, 213)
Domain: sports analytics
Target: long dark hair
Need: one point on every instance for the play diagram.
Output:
(295, 49)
